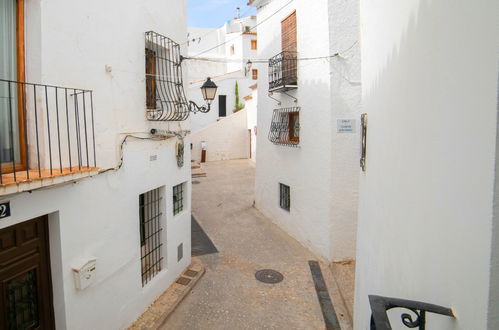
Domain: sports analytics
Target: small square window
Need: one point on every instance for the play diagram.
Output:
(284, 197)
(178, 198)
(254, 44)
(254, 74)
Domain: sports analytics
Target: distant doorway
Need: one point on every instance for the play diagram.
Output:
(25, 283)
(222, 105)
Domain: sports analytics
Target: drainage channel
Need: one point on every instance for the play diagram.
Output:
(325, 302)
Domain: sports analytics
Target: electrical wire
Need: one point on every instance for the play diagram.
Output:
(122, 154)
(266, 19)
(262, 61)
(213, 30)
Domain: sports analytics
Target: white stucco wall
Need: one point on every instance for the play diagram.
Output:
(219, 64)
(226, 139)
(252, 121)
(426, 199)
(70, 44)
(226, 86)
(345, 71)
(322, 172)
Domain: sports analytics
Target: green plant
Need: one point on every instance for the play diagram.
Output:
(239, 106)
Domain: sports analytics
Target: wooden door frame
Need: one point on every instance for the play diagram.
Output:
(21, 99)
(21, 261)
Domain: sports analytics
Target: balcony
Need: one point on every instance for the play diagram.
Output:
(46, 135)
(283, 72)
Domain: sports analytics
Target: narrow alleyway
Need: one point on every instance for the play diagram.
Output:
(229, 296)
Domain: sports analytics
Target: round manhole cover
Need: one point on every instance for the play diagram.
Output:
(196, 182)
(269, 276)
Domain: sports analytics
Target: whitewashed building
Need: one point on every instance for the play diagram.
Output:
(95, 210)
(308, 113)
(428, 216)
(227, 55)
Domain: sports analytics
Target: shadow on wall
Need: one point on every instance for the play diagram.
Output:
(419, 104)
(225, 139)
(306, 168)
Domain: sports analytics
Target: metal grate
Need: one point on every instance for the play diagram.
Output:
(285, 127)
(178, 198)
(283, 71)
(165, 95)
(284, 197)
(22, 302)
(150, 234)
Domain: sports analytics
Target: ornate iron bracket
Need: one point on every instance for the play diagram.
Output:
(363, 144)
(291, 96)
(194, 108)
(379, 317)
(273, 98)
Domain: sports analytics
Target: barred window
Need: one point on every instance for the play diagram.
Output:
(285, 127)
(165, 95)
(284, 197)
(150, 216)
(178, 198)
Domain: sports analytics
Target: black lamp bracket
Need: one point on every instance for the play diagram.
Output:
(194, 108)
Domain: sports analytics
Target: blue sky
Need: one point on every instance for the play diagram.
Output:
(214, 13)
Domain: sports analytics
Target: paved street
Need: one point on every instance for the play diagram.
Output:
(229, 296)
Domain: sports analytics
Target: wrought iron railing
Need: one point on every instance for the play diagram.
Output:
(283, 71)
(380, 305)
(45, 131)
(165, 95)
(285, 127)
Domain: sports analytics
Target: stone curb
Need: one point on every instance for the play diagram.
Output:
(156, 315)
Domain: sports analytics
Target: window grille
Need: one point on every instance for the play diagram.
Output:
(165, 95)
(285, 127)
(150, 234)
(178, 198)
(284, 197)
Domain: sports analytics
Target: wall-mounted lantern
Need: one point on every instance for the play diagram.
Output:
(209, 91)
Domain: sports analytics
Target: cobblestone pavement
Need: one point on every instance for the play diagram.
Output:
(229, 296)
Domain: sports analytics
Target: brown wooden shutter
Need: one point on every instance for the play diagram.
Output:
(288, 33)
(150, 79)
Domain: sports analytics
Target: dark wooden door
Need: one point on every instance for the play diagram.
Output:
(222, 105)
(25, 284)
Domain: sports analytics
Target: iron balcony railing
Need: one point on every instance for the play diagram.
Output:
(414, 318)
(283, 71)
(45, 131)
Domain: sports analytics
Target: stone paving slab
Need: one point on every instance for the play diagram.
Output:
(229, 296)
(154, 317)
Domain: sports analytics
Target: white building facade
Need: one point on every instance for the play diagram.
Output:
(428, 227)
(223, 55)
(308, 139)
(111, 206)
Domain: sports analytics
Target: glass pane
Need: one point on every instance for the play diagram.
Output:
(22, 302)
(9, 128)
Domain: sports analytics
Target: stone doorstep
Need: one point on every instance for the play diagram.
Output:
(157, 313)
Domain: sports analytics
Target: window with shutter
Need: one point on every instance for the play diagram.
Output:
(288, 33)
